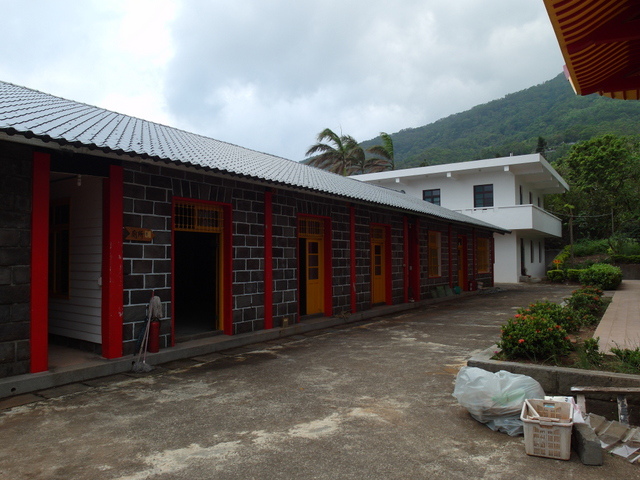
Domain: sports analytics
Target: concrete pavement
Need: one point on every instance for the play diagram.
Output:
(370, 400)
(620, 325)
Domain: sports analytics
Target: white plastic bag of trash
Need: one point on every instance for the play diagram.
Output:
(496, 399)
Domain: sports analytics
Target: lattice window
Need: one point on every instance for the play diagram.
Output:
(377, 233)
(311, 228)
(198, 217)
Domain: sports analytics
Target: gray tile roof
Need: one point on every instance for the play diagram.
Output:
(35, 114)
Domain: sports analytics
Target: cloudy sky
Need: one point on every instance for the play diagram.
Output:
(270, 74)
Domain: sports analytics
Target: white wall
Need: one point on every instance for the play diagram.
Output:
(525, 217)
(80, 315)
(506, 268)
(457, 193)
(537, 268)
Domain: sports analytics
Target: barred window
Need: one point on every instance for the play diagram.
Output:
(198, 217)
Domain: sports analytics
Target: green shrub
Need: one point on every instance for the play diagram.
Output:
(589, 354)
(573, 274)
(533, 337)
(563, 256)
(625, 258)
(602, 275)
(619, 245)
(586, 248)
(630, 359)
(556, 276)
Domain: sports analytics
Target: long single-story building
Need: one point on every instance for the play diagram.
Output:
(99, 211)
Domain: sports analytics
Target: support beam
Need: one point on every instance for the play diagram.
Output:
(39, 341)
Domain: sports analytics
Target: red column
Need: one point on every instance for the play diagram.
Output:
(268, 260)
(352, 256)
(112, 270)
(39, 344)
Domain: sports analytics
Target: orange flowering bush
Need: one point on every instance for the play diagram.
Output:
(565, 317)
(533, 336)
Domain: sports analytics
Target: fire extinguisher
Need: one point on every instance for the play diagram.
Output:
(154, 336)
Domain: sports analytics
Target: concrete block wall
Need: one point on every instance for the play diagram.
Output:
(147, 266)
(15, 256)
(285, 257)
(248, 258)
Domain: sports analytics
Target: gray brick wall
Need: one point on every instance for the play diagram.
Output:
(15, 241)
(148, 193)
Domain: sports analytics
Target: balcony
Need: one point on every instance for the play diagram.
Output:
(518, 217)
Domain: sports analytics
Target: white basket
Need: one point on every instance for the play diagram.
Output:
(547, 428)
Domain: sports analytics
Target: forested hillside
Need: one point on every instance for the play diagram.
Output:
(513, 124)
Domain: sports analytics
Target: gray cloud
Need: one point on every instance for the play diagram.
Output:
(271, 74)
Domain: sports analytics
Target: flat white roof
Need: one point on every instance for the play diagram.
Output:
(534, 166)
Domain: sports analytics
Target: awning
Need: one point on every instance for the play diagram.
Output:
(600, 42)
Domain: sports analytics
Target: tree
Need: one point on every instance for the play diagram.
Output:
(604, 178)
(335, 153)
(362, 164)
(541, 148)
(386, 160)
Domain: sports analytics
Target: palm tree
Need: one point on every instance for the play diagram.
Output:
(362, 164)
(385, 152)
(337, 158)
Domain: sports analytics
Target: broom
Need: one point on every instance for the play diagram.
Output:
(141, 365)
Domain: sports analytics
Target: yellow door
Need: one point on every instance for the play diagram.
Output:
(377, 266)
(314, 276)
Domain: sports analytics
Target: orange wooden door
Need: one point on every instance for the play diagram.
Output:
(314, 276)
(378, 273)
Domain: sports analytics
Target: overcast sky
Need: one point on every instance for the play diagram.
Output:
(270, 74)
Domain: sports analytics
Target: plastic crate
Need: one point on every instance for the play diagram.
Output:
(547, 428)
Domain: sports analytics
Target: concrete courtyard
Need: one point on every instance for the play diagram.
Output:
(370, 400)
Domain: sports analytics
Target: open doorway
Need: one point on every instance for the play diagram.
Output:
(197, 266)
(75, 267)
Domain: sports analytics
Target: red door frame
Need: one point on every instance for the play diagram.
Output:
(112, 267)
(226, 294)
(411, 259)
(39, 340)
(327, 264)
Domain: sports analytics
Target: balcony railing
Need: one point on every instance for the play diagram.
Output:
(518, 217)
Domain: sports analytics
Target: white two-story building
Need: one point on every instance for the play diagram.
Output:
(507, 192)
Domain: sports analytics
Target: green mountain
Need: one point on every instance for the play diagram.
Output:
(513, 124)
